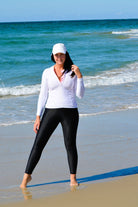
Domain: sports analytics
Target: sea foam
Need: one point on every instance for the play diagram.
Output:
(127, 74)
(123, 108)
(19, 90)
(133, 33)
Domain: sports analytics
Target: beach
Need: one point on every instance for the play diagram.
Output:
(106, 53)
(107, 147)
(122, 192)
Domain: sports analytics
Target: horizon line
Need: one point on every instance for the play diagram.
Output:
(68, 20)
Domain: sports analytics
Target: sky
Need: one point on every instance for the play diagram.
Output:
(48, 10)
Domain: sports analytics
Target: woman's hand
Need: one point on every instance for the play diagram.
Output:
(37, 124)
(76, 70)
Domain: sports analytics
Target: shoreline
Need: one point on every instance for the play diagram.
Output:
(81, 115)
(119, 192)
(107, 146)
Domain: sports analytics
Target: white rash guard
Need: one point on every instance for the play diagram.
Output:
(59, 94)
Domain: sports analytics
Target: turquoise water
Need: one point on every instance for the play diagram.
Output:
(105, 50)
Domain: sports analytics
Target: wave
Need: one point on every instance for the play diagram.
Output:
(127, 74)
(123, 108)
(16, 123)
(19, 90)
(133, 33)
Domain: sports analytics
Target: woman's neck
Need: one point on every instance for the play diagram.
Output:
(59, 67)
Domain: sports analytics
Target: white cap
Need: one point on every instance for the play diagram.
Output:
(59, 48)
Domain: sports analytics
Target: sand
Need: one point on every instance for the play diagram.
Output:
(122, 192)
(108, 149)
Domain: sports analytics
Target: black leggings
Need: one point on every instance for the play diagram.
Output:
(68, 117)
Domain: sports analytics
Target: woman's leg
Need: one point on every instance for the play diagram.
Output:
(48, 124)
(69, 123)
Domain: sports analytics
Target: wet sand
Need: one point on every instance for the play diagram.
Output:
(107, 146)
(122, 192)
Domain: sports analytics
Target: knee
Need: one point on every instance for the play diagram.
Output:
(70, 146)
(38, 146)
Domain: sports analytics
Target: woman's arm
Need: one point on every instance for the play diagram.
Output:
(79, 85)
(80, 88)
(43, 95)
(41, 101)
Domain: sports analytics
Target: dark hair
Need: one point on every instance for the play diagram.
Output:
(67, 65)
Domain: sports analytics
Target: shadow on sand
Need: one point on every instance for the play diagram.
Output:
(112, 174)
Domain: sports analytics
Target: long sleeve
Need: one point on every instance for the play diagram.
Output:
(56, 94)
(43, 95)
(80, 88)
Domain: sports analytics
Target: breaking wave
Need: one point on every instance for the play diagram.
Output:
(127, 74)
(133, 33)
(19, 90)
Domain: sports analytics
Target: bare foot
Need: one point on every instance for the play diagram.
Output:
(73, 181)
(26, 179)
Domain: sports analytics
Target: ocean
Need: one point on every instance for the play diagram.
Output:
(106, 52)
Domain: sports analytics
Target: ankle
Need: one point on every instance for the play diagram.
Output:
(26, 175)
(73, 177)
(26, 179)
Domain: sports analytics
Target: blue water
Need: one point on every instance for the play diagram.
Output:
(105, 50)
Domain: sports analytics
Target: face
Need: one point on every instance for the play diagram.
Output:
(60, 58)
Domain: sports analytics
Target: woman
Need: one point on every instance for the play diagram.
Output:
(59, 87)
